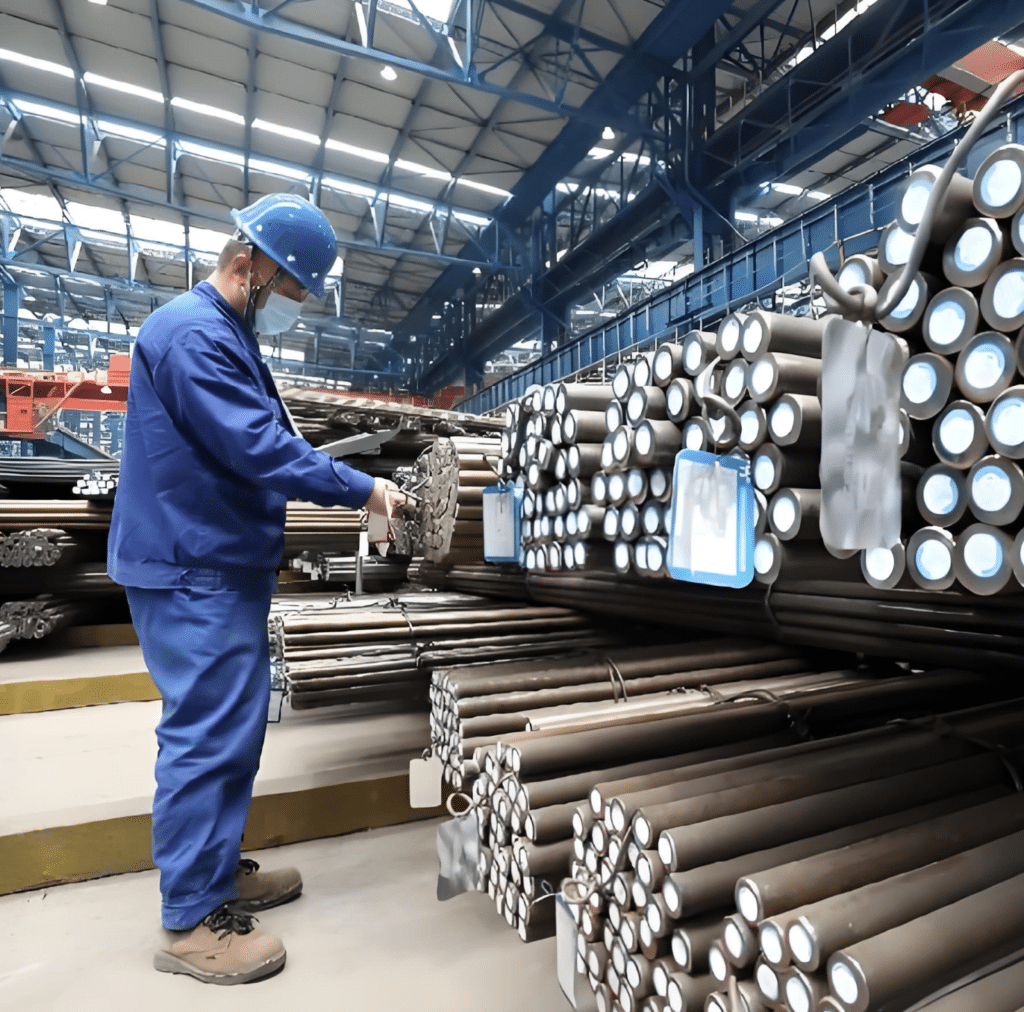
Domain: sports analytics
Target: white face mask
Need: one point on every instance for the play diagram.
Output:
(278, 315)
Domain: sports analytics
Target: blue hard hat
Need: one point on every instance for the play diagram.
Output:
(294, 233)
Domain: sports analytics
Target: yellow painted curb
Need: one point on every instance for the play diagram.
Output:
(63, 693)
(113, 846)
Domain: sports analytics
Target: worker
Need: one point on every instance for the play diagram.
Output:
(210, 459)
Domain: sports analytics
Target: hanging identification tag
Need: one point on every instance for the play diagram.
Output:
(425, 782)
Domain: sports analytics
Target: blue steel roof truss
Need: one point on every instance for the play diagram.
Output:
(848, 224)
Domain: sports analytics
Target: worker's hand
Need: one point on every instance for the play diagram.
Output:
(385, 498)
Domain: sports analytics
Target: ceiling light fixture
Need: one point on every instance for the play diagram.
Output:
(608, 134)
(388, 73)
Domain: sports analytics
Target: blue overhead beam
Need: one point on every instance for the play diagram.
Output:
(755, 271)
(290, 172)
(881, 55)
(645, 228)
(252, 16)
(668, 37)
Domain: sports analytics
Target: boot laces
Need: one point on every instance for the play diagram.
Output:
(228, 919)
(248, 866)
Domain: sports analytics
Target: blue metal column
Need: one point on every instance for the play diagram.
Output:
(49, 344)
(12, 303)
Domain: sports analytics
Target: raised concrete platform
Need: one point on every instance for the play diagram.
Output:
(78, 784)
(35, 677)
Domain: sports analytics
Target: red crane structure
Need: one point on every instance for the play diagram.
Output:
(33, 398)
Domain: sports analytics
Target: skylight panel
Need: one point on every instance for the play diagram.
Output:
(123, 86)
(51, 112)
(208, 110)
(129, 132)
(282, 131)
(36, 64)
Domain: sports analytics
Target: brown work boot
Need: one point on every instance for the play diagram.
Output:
(224, 949)
(261, 890)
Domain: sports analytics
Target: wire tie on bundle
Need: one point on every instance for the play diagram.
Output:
(769, 611)
(709, 689)
(615, 676)
(797, 721)
(944, 729)
(546, 893)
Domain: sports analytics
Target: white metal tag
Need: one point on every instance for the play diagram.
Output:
(425, 782)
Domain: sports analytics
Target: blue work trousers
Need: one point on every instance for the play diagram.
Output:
(207, 649)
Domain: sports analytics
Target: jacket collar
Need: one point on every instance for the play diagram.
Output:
(206, 291)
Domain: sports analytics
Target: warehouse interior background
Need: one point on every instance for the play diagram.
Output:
(575, 248)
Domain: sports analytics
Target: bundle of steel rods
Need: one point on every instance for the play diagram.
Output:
(962, 398)
(67, 514)
(473, 706)
(52, 475)
(446, 526)
(39, 546)
(382, 572)
(594, 804)
(333, 651)
(747, 873)
(35, 618)
(97, 484)
(925, 628)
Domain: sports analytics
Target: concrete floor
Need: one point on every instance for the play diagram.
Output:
(367, 933)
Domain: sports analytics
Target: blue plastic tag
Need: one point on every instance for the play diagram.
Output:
(711, 532)
(503, 511)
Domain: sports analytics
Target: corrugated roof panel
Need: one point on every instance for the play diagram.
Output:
(31, 32)
(38, 82)
(121, 28)
(207, 89)
(295, 81)
(215, 56)
(382, 107)
(196, 22)
(289, 114)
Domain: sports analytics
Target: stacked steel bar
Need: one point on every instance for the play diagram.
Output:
(924, 628)
(962, 391)
(332, 651)
(35, 618)
(446, 525)
(38, 546)
(693, 870)
(543, 813)
(378, 572)
(28, 476)
(97, 484)
(324, 417)
(473, 706)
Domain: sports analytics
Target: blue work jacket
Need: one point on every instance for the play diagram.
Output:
(210, 459)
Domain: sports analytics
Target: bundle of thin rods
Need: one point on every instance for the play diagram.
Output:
(97, 484)
(377, 648)
(35, 618)
(40, 546)
(446, 525)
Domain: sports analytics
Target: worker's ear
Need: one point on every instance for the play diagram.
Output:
(241, 265)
